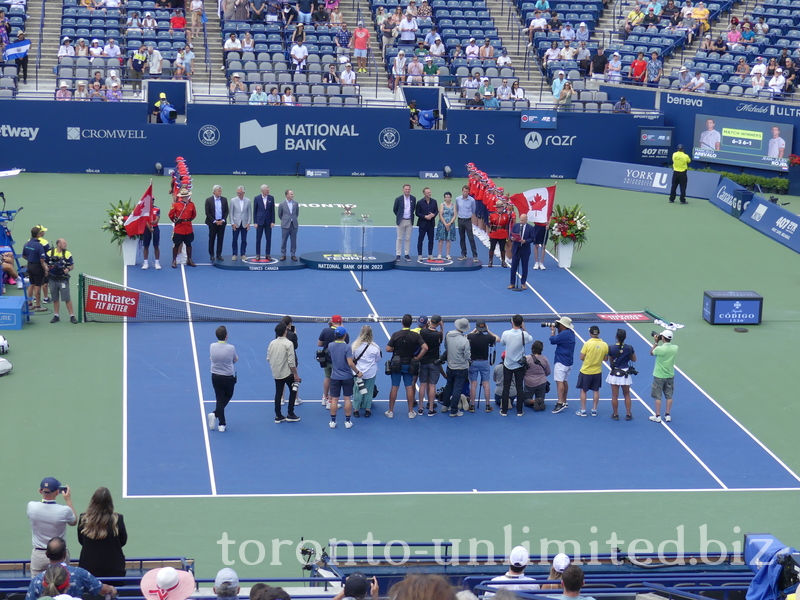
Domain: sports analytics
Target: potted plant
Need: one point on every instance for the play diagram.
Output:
(568, 227)
(115, 225)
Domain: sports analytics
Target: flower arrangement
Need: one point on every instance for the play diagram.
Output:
(568, 224)
(115, 221)
(794, 160)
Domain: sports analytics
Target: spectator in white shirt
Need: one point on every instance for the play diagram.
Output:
(149, 24)
(299, 55)
(698, 83)
(504, 60)
(472, 50)
(538, 23)
(778, 83)
(232, 44)
(113, 79)
(758, 82)
(65, 49)
(759, 67)
(408, 29)
(111, 49)
(437, 49)
(348, 76)
(552, 53)
(154, 62)
(568, 52)
(504, 92)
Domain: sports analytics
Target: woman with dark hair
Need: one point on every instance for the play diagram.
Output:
(102, 534)
(536, 372)
(620, 355)
(423, 587)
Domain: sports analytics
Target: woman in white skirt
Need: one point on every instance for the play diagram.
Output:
(620, 357)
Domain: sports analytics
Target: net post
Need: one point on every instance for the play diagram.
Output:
(81, 286)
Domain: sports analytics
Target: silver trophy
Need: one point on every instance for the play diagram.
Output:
(347, 209)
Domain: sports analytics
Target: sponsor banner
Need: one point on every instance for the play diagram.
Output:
(623, 317)
(641, 178)
(108, 301)
(431, 174)
(773, 221)
(318, 173)
(88, 137)
(538, 119)
(731, 197)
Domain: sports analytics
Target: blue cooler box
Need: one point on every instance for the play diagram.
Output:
(11, 312)
(732, 308)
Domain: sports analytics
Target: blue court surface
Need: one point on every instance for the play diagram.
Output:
(170, 452)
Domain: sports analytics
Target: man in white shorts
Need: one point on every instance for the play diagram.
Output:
(564, 341)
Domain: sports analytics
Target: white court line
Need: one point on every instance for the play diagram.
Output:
(372, 306)
(472, 492)
(125, 394)
(199, 383)
(697, 387)
(671, 431)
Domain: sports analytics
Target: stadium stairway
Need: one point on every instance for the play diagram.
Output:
(370, 91)
(48, 42)
(510, 31)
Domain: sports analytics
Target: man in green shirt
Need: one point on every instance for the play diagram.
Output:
(663, 373)
(680, 166)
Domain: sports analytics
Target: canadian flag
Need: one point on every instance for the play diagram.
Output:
(136, 223)
(538, 203)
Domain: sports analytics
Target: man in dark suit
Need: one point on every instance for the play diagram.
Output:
(404, 207)
(288, 211)
(522, 238)
(426, 211)
(263, 220)
(216, 217)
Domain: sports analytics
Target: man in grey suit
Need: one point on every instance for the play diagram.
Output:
(288, 211)
(241, 214)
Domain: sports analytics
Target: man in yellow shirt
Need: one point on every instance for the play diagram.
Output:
(680, 176)
(593, 354)
(635, 18)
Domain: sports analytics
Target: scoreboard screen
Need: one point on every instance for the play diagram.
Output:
(740, 142)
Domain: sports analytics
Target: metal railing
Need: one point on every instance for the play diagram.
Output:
(39, 48)
(208, 54)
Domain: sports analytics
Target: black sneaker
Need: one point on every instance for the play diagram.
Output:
(431, 411)
(47, 300)
(280, 419)
(421, 411)
(407, 257)
(356, 414)
(615, 417)
(367, 413)
(558, 408)
(55, 319)
(73, 320)
(628, 417)
(292, 418)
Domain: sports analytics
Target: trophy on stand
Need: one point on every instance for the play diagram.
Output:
(366, 245)
(349, 246)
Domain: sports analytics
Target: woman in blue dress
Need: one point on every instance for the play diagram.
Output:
(446, 230)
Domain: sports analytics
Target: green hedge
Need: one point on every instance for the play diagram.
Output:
(779, 184)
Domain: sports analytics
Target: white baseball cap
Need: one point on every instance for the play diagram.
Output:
(519, 557)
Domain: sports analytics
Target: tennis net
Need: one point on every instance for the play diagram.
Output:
(104, 301)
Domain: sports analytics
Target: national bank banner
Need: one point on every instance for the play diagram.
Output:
(773, 221)
(88, 137)
(643, 178)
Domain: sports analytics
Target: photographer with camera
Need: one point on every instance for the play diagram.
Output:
(281, 358)
(663, 372)
(366, 354)
(593, 353)
(430, 365)
(404, 345)
(480, 341)
(456, 346)
(60, 261)
(514, 363)
(564, 341)
(49, 520)
(620, 356)
(327, 336)
(343, 367)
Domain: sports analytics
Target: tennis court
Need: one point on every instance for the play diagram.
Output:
(170, 452)
(641, 253)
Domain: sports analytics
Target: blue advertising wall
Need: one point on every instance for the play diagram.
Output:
(773, 221)
(643, 178)
(75, 137)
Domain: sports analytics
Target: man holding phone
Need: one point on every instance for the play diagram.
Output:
(48, 520)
